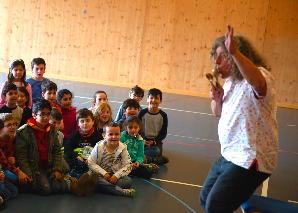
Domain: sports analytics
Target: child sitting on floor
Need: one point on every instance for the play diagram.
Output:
(9, 172)
(155, 123)
(64, 98)
(110, 163)
(79, 142)
(38, 153)
(23, 102)
(135, 148)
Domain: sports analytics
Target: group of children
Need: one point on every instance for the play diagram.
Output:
(48, 146)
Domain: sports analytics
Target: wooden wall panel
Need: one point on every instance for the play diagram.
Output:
(152, 43)
(281, 48)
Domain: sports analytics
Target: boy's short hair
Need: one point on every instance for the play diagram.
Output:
(61, 93)
(41, 104)
(84, 113)
(48, 86)
(56, 114)
(111, 124)
(133, 119)
(5, 117)
(155, 92)
(138, 91)
(131, 103)
(37, 61)
(26, 93)
(7, 87)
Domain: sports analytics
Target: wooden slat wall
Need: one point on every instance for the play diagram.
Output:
(152, 43)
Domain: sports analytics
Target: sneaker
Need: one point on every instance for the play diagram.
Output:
(80, 187)
(73, 186)
(160, 160)
(86, 184)
(129, 192)
(151, 167)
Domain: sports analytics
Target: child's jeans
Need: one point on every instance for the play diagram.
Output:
(151, 152)
(8, 190)
(78, 169)
(11, 176)
(44, 184)
(106, 187)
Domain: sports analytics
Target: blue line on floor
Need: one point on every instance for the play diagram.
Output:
(173, 196)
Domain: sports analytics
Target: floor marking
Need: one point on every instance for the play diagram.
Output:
(291, 125)
(188, 111)
(173, 196)
(181, 183)
(265, 188)
(292, 201)
(171, 109)
(199, 139)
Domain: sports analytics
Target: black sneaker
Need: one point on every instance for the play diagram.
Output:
(159, 160)
(151, 167)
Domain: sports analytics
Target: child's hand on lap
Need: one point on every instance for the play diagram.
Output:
(136, 164)
(149, 143)
(23, 178)
(113, 179)
(107, 177)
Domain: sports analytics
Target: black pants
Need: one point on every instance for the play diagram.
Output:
(142, 172)
(227, 186)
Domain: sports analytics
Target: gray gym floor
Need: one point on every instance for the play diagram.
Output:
(191, 145)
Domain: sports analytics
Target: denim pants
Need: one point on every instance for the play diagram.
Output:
(44, 183)
(227, 186)
(8, 190)
(11, 176)
(106, 187)
(151, 151)
(78, 169)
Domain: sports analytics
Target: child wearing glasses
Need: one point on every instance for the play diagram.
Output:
(38, 153)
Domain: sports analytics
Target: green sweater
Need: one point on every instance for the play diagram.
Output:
(135, 146)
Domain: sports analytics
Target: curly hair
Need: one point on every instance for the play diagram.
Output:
(244, 47)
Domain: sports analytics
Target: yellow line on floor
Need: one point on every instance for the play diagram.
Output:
(170, 181)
